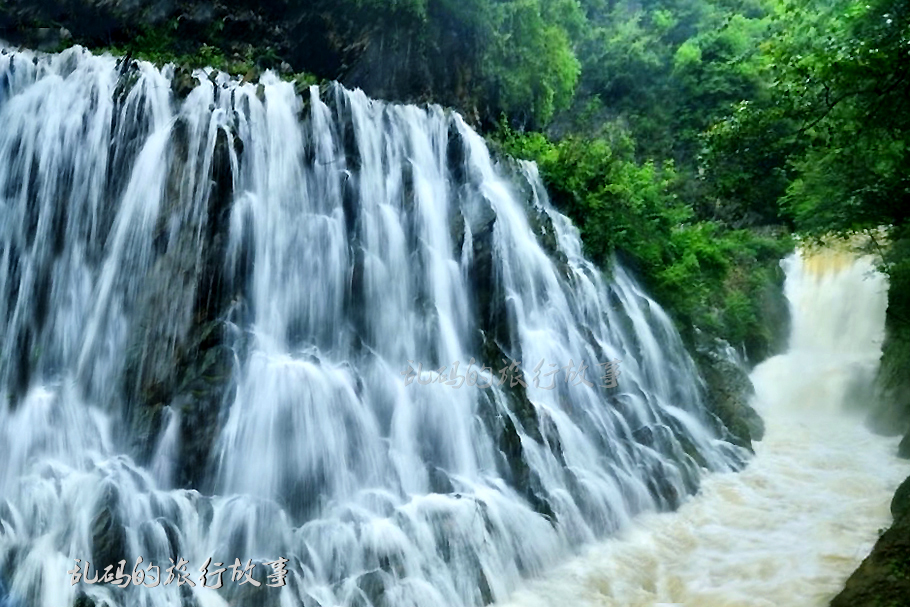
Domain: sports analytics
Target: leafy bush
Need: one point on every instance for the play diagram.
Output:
(707, 275)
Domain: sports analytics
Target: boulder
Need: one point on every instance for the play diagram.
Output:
(728, 391)
(883, 579)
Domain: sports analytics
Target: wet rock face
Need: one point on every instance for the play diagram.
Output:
(891, 412)
(883, 580)
(774, 317)
(351, 42)
(178, 358)
(728, 391)
(903, 450)
(83, 600)
(900, 505)
(109, 544)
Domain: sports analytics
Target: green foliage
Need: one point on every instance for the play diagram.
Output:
(826, 147)
(706, 274)
(617, 204)
(529, 68)
(410, 8)
(744, 162)
(687, 57)
(832, 133)
(853, 96)
(165, 43)
(668, 70)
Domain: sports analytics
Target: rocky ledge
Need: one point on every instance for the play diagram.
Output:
(883, 580)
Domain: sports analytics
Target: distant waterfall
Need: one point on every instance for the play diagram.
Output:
(226, 326)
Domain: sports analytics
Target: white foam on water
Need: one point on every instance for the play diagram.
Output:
(788, 530)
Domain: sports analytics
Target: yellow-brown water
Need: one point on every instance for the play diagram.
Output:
(790, 529)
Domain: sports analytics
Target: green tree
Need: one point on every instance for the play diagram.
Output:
(529, 69)
(836, 118)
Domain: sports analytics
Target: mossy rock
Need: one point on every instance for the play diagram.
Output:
(728, 391)
(900, 504)
(883, 579)
(891, 415)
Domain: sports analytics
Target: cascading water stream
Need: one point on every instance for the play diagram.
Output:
(209, 307)
(788, 530)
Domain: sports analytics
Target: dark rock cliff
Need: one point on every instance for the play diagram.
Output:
(384, 51)
(883, 580)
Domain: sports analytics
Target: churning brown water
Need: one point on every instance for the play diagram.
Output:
(790, 529)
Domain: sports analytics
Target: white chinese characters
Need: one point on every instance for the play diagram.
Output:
(151, 576)
(511, 373)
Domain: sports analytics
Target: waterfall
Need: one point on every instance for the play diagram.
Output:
(229, 329)
(792, 527)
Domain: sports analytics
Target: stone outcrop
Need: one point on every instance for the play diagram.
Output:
(883, 579)
(728, 391)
